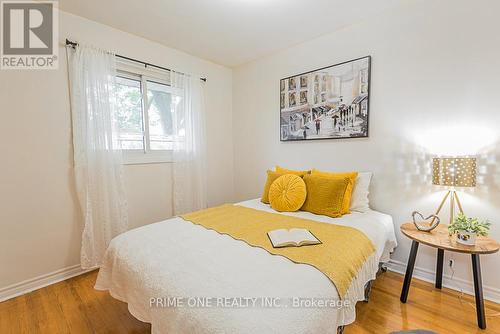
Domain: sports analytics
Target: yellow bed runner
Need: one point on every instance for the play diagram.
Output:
(340, 255)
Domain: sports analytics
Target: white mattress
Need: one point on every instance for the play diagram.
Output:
(175, 258)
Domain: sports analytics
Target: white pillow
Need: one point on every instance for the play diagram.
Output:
(359, 198)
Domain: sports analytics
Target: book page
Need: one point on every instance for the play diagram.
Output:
(301, 236)
(278, 237)
(294, 237)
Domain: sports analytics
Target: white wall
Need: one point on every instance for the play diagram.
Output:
(434, 90)
(40, 222)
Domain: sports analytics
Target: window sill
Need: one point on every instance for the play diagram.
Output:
(144, 158)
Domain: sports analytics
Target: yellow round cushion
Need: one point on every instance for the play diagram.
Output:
(287, 193)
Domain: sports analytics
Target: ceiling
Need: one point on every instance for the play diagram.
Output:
(227, 32)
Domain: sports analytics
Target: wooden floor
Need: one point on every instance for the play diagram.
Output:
(73, 306)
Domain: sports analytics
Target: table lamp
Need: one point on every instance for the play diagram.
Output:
(453, 172)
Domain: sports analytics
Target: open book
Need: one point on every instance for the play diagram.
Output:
(294, 237)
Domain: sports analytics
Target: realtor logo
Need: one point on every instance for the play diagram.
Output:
(29, 35)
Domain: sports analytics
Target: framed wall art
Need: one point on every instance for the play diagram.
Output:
(328, 103)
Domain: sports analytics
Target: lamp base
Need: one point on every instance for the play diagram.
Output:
(452, 194)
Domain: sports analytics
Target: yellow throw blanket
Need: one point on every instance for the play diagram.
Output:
(340, 255)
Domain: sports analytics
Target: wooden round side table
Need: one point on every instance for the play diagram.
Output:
(439, 238)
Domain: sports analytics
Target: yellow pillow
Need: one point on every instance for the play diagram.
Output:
(271, 176)
(300, 173)
(352, 178)
(325, 195)
(287, 193)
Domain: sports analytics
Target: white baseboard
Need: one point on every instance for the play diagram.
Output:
(42, 281)
(490, 293)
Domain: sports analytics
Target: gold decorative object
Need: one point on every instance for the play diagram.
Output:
(430, 225)
(453, 172)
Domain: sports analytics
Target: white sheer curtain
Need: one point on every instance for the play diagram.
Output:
(189, 168)
(97, 157)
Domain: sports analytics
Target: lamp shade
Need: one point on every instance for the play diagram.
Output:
(454, 172)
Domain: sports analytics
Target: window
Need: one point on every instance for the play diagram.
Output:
(129, 112)
(144, 112)
(159, 116)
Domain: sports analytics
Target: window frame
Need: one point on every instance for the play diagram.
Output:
(133, 71)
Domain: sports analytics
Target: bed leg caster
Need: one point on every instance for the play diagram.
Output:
(368, 290)
(383, 268)
(340, 330)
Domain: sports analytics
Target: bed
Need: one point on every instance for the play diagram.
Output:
(176, 260)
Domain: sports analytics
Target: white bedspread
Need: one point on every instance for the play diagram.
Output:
(175, 258)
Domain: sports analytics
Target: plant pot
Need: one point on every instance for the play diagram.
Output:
(466, 238)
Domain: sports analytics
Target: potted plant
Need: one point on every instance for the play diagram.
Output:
(468, 228)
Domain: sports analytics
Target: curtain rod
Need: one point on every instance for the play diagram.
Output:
(75, 44)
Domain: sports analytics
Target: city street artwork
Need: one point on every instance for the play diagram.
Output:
(329, 103)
